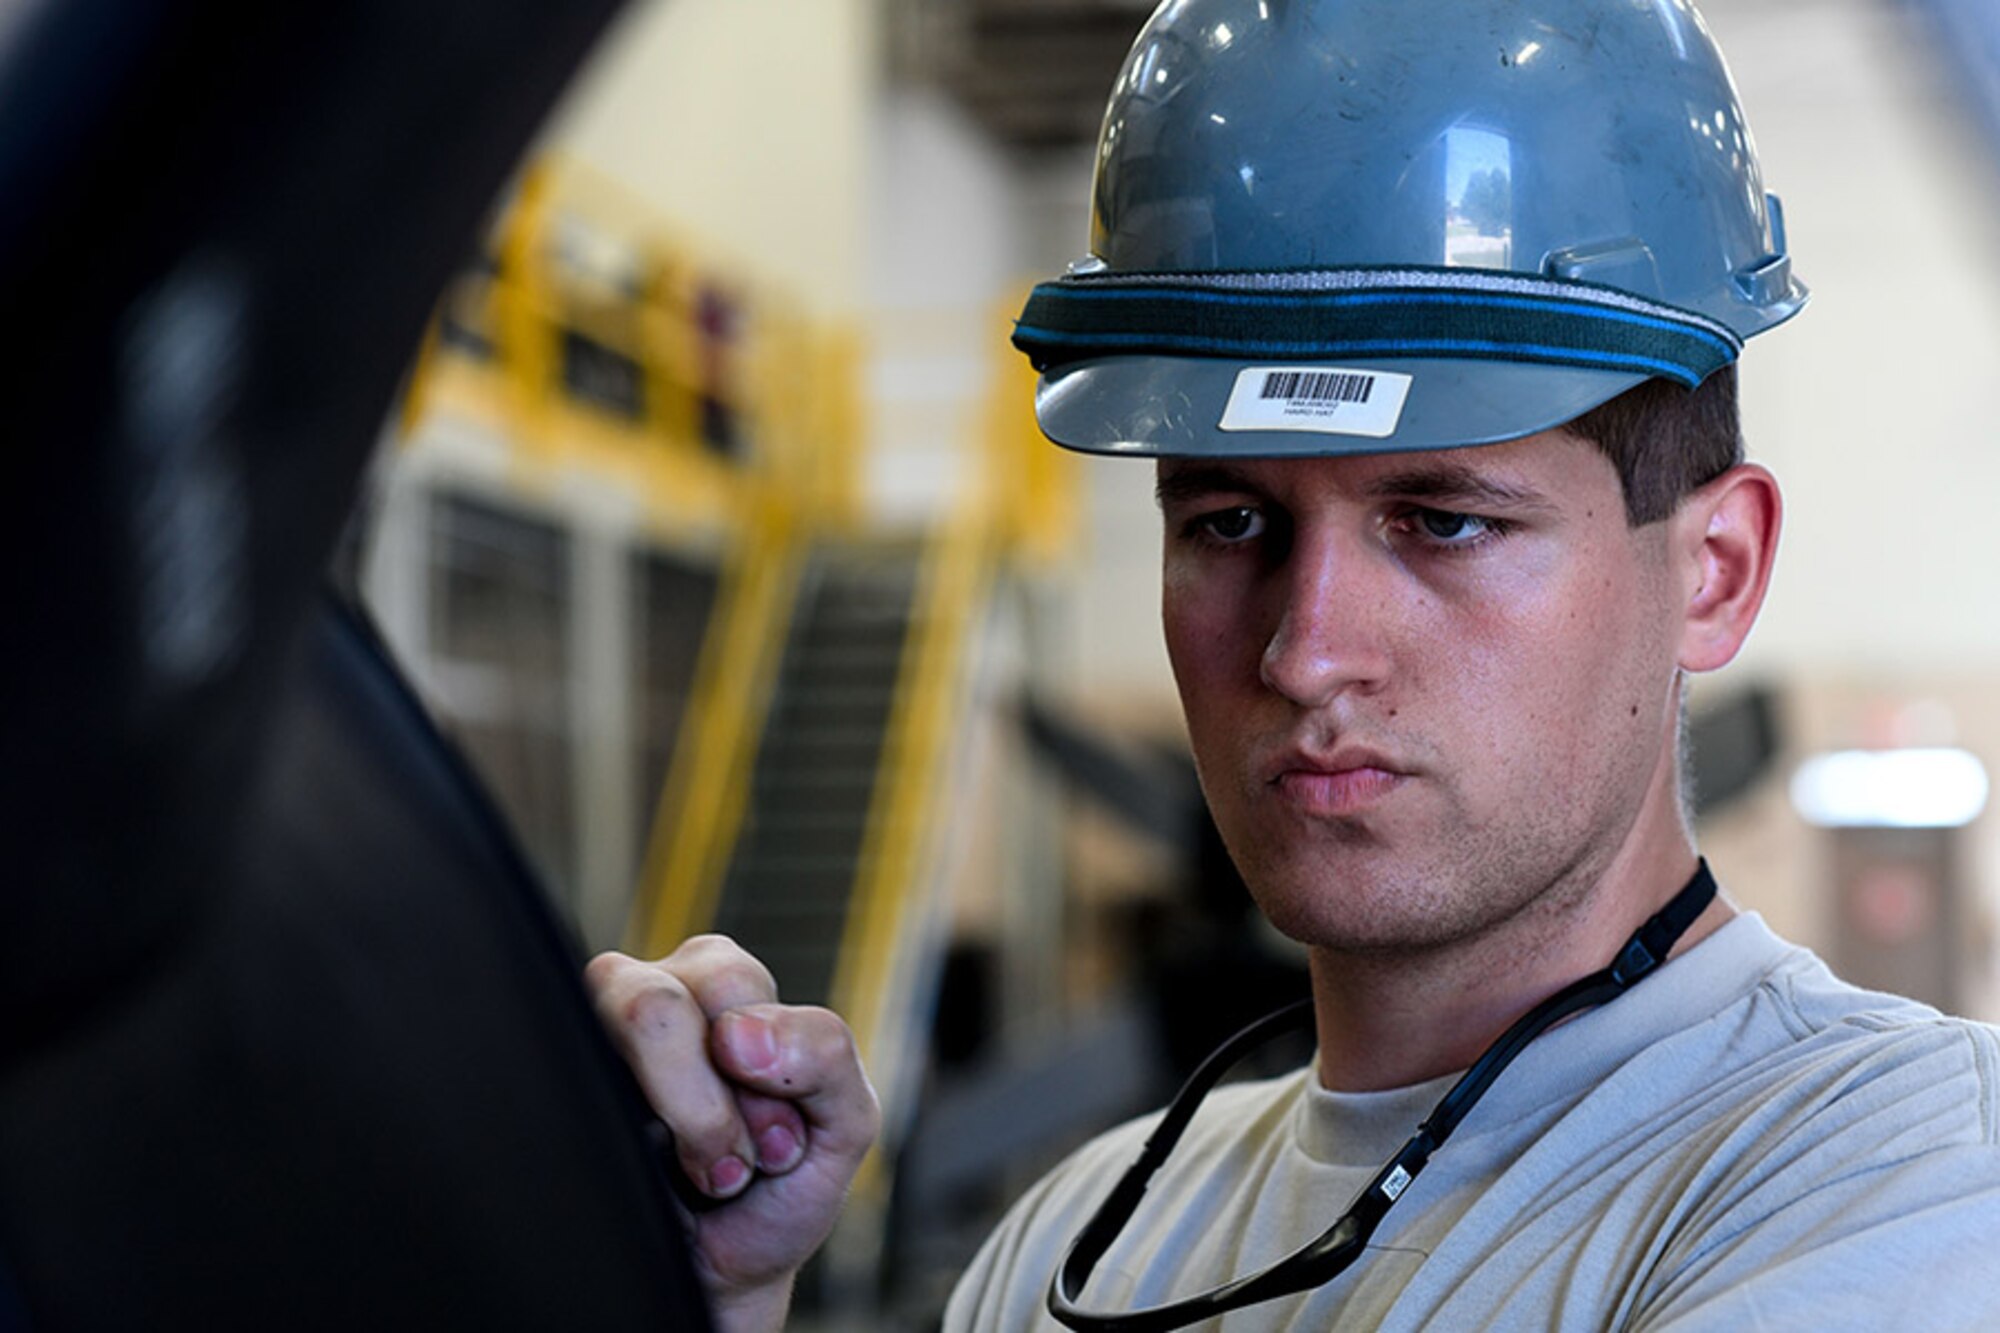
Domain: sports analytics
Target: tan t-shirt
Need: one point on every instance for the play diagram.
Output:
(1742, 1142)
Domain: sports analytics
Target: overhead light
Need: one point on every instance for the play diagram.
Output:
(1915, 788)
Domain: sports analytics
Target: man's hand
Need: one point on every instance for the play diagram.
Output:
(768, 1103)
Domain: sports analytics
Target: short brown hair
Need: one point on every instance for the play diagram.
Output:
(1666, 440)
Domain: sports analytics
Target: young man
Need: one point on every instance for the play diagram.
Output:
(1435, 695)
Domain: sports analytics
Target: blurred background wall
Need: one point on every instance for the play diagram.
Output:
(716, 528)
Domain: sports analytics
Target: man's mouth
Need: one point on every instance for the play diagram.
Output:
(1346, 782)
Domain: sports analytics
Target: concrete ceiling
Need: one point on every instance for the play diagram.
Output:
(1035, 73)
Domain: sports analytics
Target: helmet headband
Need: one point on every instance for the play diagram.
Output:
(1374, 313)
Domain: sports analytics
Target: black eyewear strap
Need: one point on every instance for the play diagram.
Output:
(1340, 1245)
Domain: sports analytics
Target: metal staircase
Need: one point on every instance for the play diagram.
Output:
(790, 886)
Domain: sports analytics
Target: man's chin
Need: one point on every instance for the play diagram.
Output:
(1348, 909)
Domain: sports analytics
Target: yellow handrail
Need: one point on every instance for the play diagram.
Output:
(795, 389)
(708, 780)
(904, 809)
(522, 332)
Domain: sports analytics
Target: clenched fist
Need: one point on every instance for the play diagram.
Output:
(770, 1109)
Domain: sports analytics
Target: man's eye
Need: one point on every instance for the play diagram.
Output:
(1232, 525)
(1444, 525)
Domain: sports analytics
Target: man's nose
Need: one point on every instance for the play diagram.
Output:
(1332, 612)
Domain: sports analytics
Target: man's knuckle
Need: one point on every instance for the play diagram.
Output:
(710, 947)
(600, 972)
(660, 1002)
(825, 1035)
(722, 958)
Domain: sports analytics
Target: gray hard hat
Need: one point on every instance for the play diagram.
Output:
(1352, 226)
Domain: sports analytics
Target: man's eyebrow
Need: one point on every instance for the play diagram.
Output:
(1186, 484)
(1447, 483)
(1436, 483)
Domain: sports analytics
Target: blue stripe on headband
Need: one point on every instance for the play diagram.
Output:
(1446, 313)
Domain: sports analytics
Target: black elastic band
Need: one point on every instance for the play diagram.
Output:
(1336, 1249)
(1370, 314)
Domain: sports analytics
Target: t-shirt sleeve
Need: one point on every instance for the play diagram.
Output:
(1005, 1288)
(997, 1291)
(1904, 1246)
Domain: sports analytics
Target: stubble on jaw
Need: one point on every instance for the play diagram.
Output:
(1375, 891)
(1350, 893)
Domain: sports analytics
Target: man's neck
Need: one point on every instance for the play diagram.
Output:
(1388, 1021)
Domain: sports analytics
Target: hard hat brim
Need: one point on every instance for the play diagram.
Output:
(1167, 407)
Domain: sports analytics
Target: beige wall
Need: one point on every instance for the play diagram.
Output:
(744, 122)
(1877, 405)
(1876, 410)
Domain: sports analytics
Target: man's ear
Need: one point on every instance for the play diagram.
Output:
(1725, 538)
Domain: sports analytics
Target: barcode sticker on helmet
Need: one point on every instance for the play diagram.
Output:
(1327, 399)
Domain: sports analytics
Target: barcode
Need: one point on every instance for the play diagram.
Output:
(1318, 386)
(1327, 400)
